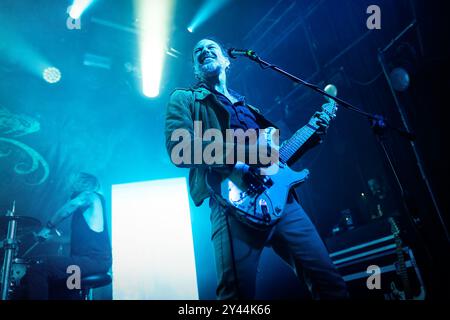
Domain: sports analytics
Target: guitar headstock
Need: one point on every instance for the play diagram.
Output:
(394, 228)
(330, 108)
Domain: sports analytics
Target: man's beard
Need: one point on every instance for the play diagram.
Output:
(210, 70)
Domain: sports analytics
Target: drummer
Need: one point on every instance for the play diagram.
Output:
(90, 248)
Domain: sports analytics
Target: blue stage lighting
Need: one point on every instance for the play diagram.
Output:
(155, 17)
(206, 11)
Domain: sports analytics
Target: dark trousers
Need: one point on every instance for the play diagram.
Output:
(47, 279)
(294, 238)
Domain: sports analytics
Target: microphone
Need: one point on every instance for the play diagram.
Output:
(234, 53)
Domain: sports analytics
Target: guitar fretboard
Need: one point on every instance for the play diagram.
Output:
(292, 145)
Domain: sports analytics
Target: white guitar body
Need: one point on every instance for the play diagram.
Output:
(266, 205)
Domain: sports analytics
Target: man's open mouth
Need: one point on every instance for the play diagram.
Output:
(206, 59)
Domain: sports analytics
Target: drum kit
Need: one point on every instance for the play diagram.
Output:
(14, 267)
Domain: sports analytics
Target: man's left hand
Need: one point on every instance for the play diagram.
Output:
(323, 121)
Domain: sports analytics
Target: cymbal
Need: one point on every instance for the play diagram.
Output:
(24, 224)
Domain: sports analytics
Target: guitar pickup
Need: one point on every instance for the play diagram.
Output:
(268, 182)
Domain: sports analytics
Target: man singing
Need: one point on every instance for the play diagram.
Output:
(238, 246)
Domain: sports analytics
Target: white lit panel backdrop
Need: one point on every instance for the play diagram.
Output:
(153, 250)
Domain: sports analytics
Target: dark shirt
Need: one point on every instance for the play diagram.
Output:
(85, 241)
(242, 118)
(240, 115)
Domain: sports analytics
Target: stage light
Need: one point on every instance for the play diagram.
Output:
(51, 74)
(78, 7)
(331, 89)
(400, 79)
(154, 17)
(206, 11)
(152, 243)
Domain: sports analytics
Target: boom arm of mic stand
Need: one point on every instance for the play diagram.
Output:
(372, 117)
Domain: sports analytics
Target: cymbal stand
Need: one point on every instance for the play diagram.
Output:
(10, 251)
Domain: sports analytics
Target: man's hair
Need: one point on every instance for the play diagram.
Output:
(220, 43)
(83, 181)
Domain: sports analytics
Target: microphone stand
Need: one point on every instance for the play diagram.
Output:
(375, 119)
(378, 124)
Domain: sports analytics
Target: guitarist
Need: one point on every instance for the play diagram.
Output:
(238, 246)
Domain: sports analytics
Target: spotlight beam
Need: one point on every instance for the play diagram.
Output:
(17, 50)
(78, 7)
(206, 11)
(154, 18)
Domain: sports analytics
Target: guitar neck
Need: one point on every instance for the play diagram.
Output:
(292, 145)
(402, 271)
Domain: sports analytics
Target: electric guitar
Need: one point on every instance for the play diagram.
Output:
(260, 199)
(401, 269)
(401, 265)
